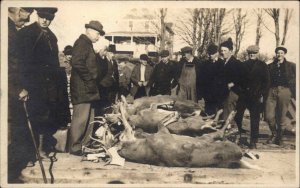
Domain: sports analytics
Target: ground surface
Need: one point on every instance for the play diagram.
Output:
(275, 166)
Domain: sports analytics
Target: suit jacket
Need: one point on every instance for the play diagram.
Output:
(103, 65)
(198, 64)
(136, 77)
(84, 72)
(257, 79)
(290, 72)
(234, 72)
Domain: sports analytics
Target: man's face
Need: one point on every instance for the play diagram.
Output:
(253, 56)
(214, 56)
(93, 34)
(165, 59)
(68, 57)
(22, 17)
(280, 55)
(44, 22)
(143, 62)
(225, 52)
(188, 56)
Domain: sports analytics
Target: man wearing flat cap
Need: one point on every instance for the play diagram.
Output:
(83, 86)
(187, 75)
(17, 17)
(140, 77)
(108, 79)
(211, 83)
(282, 89)
(163, 76)
(48, 104)
(233, 75)
(255, 91)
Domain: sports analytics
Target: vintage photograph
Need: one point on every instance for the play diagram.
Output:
(149, 93)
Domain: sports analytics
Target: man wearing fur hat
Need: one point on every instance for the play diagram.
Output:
(233, 75)
(255, 91)
(282, 89)
(163, 76)
(84, 90)
(140, 76)
(211, 83)
(48, 104)
(188, 76)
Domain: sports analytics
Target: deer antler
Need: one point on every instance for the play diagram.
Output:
(128, 133)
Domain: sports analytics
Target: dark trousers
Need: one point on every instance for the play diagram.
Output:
(141, 92)
(253, 105)
(229, 104)
(80, 129)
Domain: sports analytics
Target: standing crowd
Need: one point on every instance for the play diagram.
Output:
(96, 82)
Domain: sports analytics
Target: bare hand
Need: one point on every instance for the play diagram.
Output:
(230, 85)
(145, 83)
(140, 84)
(24, 95)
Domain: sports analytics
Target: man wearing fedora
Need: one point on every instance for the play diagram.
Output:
(48, 104)
(67, 59)
(163, 76)
(140, 76)
(108, 79)
(187, 76)
(83, 82)
(282, 89)
(255, 91)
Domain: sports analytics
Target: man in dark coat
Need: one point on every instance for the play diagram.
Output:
(255, 90)
(282, 89)
(48, 104)
(187, 76)
(22, 145)
(140, 77)
(212, 85)
(163, 76)
(84, 90)
(108, 79)
(233, 75)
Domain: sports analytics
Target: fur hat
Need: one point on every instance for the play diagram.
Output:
(48, 13)
(96, 25)
(228, 44)
(281, 48)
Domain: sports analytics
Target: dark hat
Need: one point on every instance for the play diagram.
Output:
(228, 44)
(164, 53)
(281, 48)
(253, 49)
(144, 57)
(47, 13)
(28, 9)
(111, 48)
(96, 25)
(68, 50)
(186, 49)
(212, 49)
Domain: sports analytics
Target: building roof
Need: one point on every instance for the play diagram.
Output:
(130, 33)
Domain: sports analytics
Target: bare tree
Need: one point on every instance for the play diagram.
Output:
(240, 21)
(287, 18)
(259, 13)
(163, 14)
(275, 13)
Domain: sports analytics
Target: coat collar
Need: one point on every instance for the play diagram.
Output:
(84, 37)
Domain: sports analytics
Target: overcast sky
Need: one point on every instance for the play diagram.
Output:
(72, 15)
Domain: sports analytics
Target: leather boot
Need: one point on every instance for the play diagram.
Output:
(42, 152)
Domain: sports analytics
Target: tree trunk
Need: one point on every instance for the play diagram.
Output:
(288, 14)
(258, 27)
(163, 13)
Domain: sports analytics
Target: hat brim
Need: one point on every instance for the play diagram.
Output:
(101, 32)
(46, 15)
(281, 48)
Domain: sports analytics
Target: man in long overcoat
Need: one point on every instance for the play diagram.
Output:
(84, 90)
(48, 105)
(255, 90)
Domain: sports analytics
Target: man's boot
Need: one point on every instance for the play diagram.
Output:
(42, 152)
(278, 137)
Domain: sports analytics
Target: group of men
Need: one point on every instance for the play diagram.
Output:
(36, 78)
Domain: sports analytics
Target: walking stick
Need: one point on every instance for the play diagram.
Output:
(34, 143)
